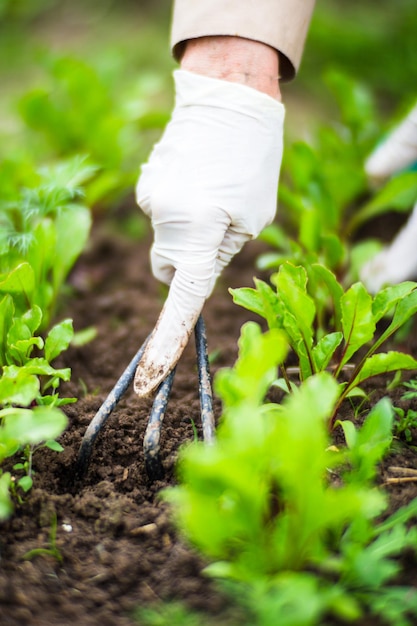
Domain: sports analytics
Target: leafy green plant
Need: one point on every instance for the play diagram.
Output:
(324, 193)
(25, 482)
(81, 107)
(406, 419)
(43, 231)
(304, 304)
(21, 428)
(284, 515)
(405, 422)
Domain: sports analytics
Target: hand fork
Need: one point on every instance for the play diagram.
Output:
(151, 441)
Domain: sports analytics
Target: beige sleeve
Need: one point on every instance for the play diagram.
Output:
(282, 24)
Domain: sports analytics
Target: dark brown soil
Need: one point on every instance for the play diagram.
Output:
(119, 549)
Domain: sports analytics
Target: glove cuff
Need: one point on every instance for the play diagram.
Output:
(198, 90)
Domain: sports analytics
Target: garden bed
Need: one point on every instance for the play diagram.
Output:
(119, 549)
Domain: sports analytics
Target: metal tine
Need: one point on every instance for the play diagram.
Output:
(151, 440)
(204, 380)
(104, 413)
(151, 443)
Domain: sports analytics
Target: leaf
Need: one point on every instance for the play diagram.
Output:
(275, 236)
(20, 351)
(33, 426)
(6, 506)
(19, 280)
(372, 441)
(72, 231)
(324, 350)
(357, 320)
(323, 274)
(6, 317)
(54, 445)
(398, 194)
(401, 516)
(333, 249)
(299, 307)
(20, 284)
(25, 483)
(32, 318)
(84, 336)
(263, 300)
(405, 309)
(255, 370)
(58, 339)
(310, 231)
(386, 299)
(248, 298)
(41, 367)
(18, 386)
(349, 431)
(382, 363)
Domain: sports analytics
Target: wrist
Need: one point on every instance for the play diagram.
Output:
(234, 59)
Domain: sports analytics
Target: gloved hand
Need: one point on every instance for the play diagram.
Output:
(396, 262)
(209, 186)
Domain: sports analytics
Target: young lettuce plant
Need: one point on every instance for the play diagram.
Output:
(30, 417)
(261, 503)
(303, 304)
(43, 230)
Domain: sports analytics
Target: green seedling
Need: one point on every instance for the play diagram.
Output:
(43, 231)
(170, 614)
(25, 430)
(324, 192)
(405, 423)
(52, 551)
(406, 419)
(412, 393)
(30, 417)
(262, 503)
(26, 465)
(301, 302)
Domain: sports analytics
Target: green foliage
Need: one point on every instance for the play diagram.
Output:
(52, 550)
(44, 228)
(406, 419)
(405, 423)
(78, 110)
(262, 503)
(324, 193)
(351, 35)
(30, 418)
(368, 445)
(170, 614)
(43, 231)
(302, 303)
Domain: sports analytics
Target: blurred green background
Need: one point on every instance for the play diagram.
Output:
(93, 78)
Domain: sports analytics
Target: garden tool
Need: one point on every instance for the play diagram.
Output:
(151, 442)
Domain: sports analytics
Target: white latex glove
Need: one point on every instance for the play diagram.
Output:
(396, 262)
(209, 186)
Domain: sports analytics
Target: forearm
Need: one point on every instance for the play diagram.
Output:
(235, 59)
(279, 24)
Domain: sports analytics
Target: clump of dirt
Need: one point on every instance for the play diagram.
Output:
(119, 549)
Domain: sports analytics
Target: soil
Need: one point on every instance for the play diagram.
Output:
(118, 546)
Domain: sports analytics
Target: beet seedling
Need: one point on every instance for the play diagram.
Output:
(302, 303)
(261, 504)
(324, 192)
